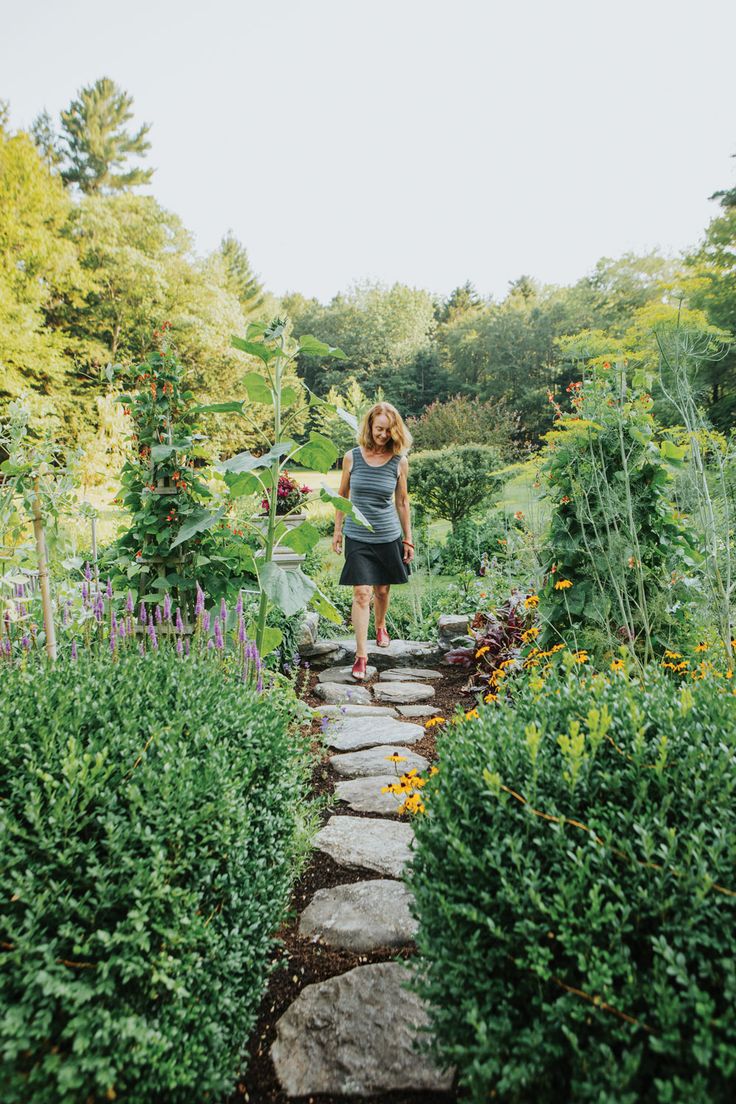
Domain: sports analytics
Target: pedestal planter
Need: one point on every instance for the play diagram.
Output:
(284, 557)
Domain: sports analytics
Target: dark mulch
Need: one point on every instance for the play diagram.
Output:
(297, 962)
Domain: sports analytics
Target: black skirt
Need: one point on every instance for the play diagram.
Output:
(373, 564)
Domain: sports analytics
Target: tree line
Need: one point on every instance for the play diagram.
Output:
(89, 267)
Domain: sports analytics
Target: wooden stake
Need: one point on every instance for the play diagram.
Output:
(43, 575)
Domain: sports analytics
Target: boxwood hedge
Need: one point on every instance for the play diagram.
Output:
(575, 880)
(152, 815)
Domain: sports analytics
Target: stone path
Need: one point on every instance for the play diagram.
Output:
(354, 1034)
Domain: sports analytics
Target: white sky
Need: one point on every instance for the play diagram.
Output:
(415, 140)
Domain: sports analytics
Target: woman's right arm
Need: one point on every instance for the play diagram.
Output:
(344, 492)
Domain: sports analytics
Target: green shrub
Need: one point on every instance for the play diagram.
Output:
(152, 817)
(575, 881)
(466, 544)
(453, 483)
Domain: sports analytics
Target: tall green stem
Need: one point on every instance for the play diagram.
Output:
(275, 472)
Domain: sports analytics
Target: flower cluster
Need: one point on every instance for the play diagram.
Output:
(290, 495)
(408, 787)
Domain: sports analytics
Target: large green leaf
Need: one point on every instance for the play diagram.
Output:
(290, 591)
(253, 348)
(198, 522)
(162, 452)
(289, 395)
(310, 346)
(346, 416)
(318, 453)
(246, 461)
(272, 637)
(241, 484)
(302, 538)
(325, 608)
(257, 388)
(343, 504)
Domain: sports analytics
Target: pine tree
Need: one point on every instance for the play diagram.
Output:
(241, 281)
(46, 140)
(98, 143)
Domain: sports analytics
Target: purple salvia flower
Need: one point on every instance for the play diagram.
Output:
(167, 607)
(158, 615)
(259, 684)
(210, 645)
(142, 649)
(206, 621)
(99, 608)
(88, 572)
(25, 642)
(179, 646)
(108, 589)
(143, 616)
(152, 634)
(219, 642)
(186, 645)
(241, 631)
(113, 623)
(74, 650)
(112, 644)
(122, 630)
(129, 604)
(65, 614)
(223, 612)
(85, 593)
(199, 604)
(239, 604)
(179, 623)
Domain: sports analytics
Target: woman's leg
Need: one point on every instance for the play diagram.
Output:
(360, 616)
(381, 596)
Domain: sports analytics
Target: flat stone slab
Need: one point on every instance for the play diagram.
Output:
(404, 693)
(409, 674)
(354, 1035)
(335, 693)
(322, 653)
(416, 710)
(380, 845)
(405, 652)
(453, 624)
(363, 795)
(355, 711)
(344, 674)
(360, 917)
(352, 733)
(372, 761)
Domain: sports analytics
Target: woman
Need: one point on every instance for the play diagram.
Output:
(374, 478)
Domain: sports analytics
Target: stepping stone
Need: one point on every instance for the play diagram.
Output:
(416, 710)
(360, 917)
(409, 674)
(453, 624)
(321, 653)
(309, 630)
(363, 795)
(354, 1035)
(372, 761)
(380, 845)
(344, 674)
(334, 693)
(403, 693)
(355, 711)
(353, 733)
(398, 651)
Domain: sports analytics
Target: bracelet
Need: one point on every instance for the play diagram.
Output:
(408, 542)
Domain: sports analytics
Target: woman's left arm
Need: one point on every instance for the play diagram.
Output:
(403, 510)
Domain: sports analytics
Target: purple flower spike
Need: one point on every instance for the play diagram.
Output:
(219, 642)
(112, 644)
(259, 684)
(239, 604)
(87, 572)
(113, 623)
(122, 631)
(74, 650)
(143, 616)
(65, 614)
(179, 623)
(167, 608)
(152, 634)
(179, 647)
(108, 588)
(206, 621)
(241, 632)
(99, 608)
(129, 605)
(210, 645)
(158, 615)
(199, 604)
(142, 649)
(85, 593)
(223, 612)
(25, 642)
(186, 645)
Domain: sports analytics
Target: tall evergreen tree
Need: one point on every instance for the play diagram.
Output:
(98, 142)
(240, 279)
(46, 140)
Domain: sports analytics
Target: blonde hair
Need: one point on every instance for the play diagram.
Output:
(400, 435)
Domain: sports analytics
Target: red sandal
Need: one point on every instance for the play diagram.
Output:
(359, 668)
(382, 638)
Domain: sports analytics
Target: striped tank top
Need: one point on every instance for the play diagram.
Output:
(372, 491)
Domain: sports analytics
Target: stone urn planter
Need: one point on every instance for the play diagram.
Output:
(283, 556)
